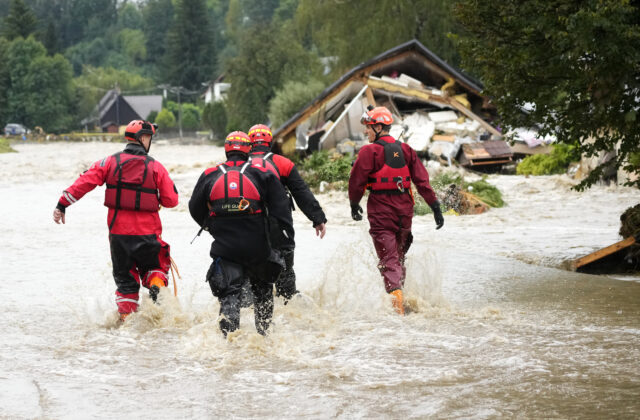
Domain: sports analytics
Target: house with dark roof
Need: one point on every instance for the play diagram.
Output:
(114, 110)
(406, 79)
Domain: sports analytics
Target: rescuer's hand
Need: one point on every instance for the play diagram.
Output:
(321, 229)
(437, 214)
(356, 212)
(58, 216)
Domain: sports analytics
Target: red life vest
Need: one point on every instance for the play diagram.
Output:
(265, 161)
(131, 184)
(394, 176)
(234, 193)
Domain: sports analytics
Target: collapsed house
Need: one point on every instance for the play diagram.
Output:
(437, 110)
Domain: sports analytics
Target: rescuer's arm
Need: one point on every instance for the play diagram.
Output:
(166, 188)
(86, 182)
(304, 198)
(198, 201)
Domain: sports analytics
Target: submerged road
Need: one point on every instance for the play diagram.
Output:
(494, 330)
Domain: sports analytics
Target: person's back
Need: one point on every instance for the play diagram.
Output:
(387, 167)
(231, 202)
(136, 186)
(288, 174)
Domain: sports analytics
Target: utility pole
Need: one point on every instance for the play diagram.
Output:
(179, 112)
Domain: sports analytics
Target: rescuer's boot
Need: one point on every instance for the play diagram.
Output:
(397, 301)
(155, 284)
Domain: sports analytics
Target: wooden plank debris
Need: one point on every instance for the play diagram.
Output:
(604, 252)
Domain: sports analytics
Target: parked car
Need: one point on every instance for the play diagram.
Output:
(15, 130)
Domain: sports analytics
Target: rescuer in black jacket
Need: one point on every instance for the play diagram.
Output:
(290, 178)
(232, 201)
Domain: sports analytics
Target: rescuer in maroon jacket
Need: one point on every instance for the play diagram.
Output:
(231, 201)
(386, 167)
(137, 185)
(290, 178)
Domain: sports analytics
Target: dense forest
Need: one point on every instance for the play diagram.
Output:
(59, 57)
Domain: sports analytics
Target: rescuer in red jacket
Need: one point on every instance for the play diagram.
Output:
(386, 167)
(136, 186)
(231, 201)
(290, 178)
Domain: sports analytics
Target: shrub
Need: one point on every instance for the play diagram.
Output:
(291, 98)
(214, 117)
(165, 119)
(556, 162)
(321, 166)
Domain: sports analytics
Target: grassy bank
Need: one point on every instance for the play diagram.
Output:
(5, 146)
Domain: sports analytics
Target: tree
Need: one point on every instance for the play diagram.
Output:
(575, 65)
(190, 51)
(20, 22)
(268, 57)
(358, 30)
(20, 53)
(214, 117)
(157, 17)
(50, 93)
(40, 90)
(129, 17)
(5, 82)
(291, 98)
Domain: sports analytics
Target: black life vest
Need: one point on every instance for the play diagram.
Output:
(131, 184)
(265, 161)
(234, 193)
(394, 176)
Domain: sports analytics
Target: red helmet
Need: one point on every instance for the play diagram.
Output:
(260, 133)
(378, 115)
(136, 128)
(237, 141)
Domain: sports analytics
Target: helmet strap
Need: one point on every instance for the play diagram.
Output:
(373, 127)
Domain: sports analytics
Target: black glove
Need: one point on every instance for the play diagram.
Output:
(437, 214)
(356, 212)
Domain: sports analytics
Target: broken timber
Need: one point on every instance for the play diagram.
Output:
(605, 253)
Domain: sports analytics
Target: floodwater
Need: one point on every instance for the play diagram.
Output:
(496, 329)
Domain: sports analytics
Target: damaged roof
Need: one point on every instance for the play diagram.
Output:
(412, 59)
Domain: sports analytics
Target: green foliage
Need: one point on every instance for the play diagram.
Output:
(165, 119)
(152, 116)
(132, 45)
(291, 98)
(21, 21)
(214, 117)
(321, 166)
(5, 146)
(357, 30)
(578, 62)
(488, 193)
(556, 162)
(48, 100)
(191, 116)
(190, 46)
(38, 87)
(129, 17)
(5, 82)
(268, 56)
(157, 17)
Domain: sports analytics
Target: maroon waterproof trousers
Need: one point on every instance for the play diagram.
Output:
(390, 229)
